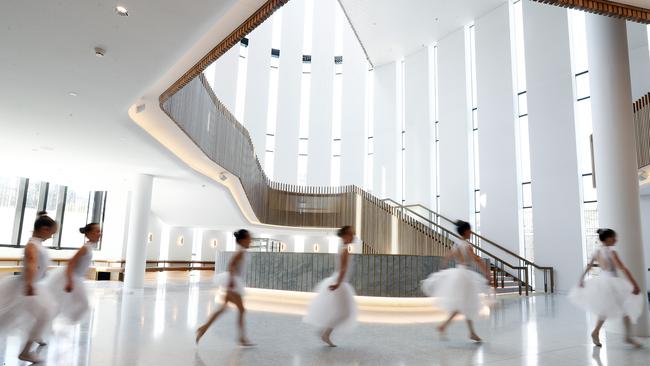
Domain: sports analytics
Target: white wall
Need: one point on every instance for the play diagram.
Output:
(290, 76)
(420, 138)
(497, 133)
(387, 130)
(353, 137)
(322, 89)
(257, 86)
(553, 145)
(637, 39)
(155, 228)
(184, 252)
(456, 200)
(645, 224)
(207, 251)
(225, 78)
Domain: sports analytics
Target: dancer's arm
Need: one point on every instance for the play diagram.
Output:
(589, 266)
(481, 264)
(30, 268)
(69, 271)
(232, 268)
(344, 269)
(622, 267)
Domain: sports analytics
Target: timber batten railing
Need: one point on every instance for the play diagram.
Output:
(642, 127)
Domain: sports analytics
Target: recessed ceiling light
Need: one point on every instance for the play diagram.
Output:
(73, 94)
(121, 11)
(100, 52)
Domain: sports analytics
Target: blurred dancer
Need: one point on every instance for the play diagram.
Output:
(459, 289)
(66, 283)
(24, 303)
(609, 295)
(233, 283)
(334, 306)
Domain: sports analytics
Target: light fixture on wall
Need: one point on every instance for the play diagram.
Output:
(180, 241)
(283, 247)
(214, 243)
(350, 248)
(150, 238)
(316, 248)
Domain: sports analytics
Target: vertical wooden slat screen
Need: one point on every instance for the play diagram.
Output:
(642, 126)
(206, 121)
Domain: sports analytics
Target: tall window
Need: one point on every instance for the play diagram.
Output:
(272, 108)
(436, 127)
(335, 175)
(402, 109)
(21, 199)
(584, 130)
(370, 130)
(523, 139)
(305, 94)
(474, 113)
(242, 69)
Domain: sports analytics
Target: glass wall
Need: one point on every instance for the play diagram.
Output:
(21, 199)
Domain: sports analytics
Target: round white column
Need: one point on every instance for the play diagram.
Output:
(614, 145)
(136, 250)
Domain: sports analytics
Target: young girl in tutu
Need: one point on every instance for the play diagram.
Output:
(233, 283)
(66, 283)
(609, 295)
(459, 289)
(334, 305)
(24, 303)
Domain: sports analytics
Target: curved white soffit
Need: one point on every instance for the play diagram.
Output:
(158, 124)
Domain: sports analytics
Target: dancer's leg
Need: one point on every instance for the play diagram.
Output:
(472, 333)
(628, 333)
(444, 325)
(202, 329)
(325, 337)
(236, 299)
(595, 334)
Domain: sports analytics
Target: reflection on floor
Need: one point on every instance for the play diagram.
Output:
(157, 328)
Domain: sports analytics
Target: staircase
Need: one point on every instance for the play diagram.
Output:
(205, 120)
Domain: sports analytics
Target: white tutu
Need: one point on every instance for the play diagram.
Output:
(222, 281)
(19, 312)
(333, 309)
(71, 305)
(608, 297)
(458, 289)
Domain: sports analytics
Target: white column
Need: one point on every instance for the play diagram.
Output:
(557, 208)
(322, 90)
(614, 145)
(387, 133)
(288, 121)
(645, 217)
(497, 132)
(637, 39)
(225, 77)
(419, 130)
(353, 138)
(136, 251)
(257, 86)
(455, 129)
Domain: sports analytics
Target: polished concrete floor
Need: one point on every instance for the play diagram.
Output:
(157, 326)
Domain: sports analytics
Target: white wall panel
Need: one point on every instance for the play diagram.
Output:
(645, 224)
(290, 73)
(257, 86)
(454, 128)
(637, 38)
(155, 229)
(387, 132)
(180, 252)
(353, 138)
(419, 120)
(553, 145)
(207, 251)
(322, 89)
(225, 77)
(497, 134)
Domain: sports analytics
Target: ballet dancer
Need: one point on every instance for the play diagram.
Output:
(234, 284)
(334, 306)
(609, 295)
(24, 302)
(66, 283)
(459, 289)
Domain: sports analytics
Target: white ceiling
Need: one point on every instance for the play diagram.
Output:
(47, 52)
(391, 29)
(639, 3)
